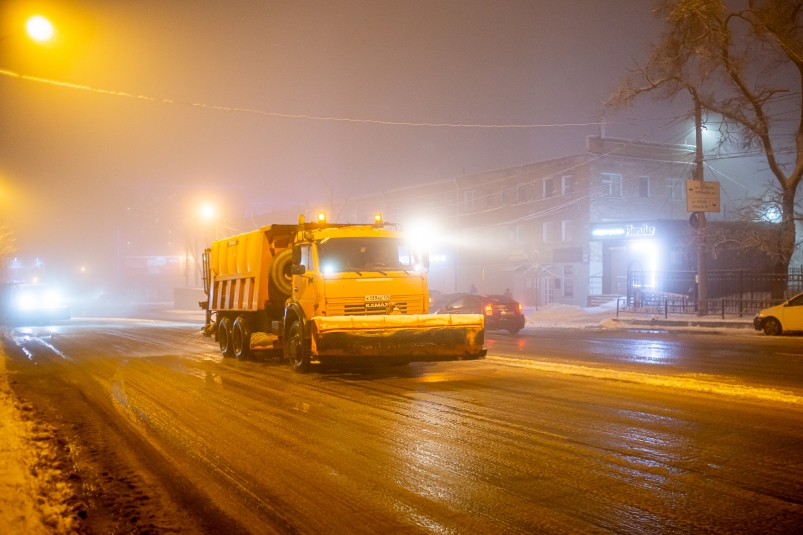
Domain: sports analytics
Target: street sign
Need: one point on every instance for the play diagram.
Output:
(702, 196)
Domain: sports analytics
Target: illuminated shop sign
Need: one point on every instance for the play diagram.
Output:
(625, 231)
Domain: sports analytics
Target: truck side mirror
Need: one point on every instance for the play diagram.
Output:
(425, 259)
(298, 269)
(296, 255)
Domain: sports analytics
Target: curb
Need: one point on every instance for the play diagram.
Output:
(685, 323)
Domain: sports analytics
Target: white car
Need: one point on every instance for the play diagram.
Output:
(784, 317)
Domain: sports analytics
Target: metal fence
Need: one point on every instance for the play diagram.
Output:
(731, 285)
(716, 307)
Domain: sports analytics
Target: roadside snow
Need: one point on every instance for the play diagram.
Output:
(570, 316)
(33, 494)
(556, 315)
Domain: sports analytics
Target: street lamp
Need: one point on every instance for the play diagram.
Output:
(39, 28)
(207, 211)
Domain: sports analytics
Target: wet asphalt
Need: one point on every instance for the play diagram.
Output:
(557, 431)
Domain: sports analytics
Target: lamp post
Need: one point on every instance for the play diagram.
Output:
(205, 213)
(702, 267)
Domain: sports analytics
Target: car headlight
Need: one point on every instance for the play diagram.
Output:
(26, 301)
(52, 300)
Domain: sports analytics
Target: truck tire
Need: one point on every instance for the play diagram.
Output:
(224, 337)
(241, 339)
(296, 349)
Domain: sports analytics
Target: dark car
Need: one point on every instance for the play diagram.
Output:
(501, 313)
(31, 304)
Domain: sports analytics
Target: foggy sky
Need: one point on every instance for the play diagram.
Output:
(69, 157)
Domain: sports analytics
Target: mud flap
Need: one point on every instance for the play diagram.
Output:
(419, 337)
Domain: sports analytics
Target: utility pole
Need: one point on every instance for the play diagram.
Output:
(702, 268)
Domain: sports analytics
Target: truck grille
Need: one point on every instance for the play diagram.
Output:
(356, 307)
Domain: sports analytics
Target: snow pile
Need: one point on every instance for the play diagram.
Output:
(570, 316)
(34, 498)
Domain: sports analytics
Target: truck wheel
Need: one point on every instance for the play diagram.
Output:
(241, 339)
(296, 349)
(280, 280)
(224, 337)
(772, 327)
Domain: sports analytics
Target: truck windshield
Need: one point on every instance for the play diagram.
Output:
(369, 254)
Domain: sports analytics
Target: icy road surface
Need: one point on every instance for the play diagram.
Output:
(555, 432)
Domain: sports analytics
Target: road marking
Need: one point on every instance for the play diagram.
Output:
(667, 381)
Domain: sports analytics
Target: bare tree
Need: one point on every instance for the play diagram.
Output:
(6, 241)
(758, 47)
(731, 62)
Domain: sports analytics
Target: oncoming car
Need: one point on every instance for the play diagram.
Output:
(22, 304)
(501, 313)
(780, 318)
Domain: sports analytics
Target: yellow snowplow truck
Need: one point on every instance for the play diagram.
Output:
(323, 291)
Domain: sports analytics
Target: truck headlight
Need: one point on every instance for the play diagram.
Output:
(26, 301)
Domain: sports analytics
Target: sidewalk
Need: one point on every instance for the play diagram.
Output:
(558, 316)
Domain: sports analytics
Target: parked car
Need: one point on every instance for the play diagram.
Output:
(31, 304)
(784, 317)
(501, 313)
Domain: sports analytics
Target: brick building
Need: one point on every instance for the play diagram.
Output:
(559, 230)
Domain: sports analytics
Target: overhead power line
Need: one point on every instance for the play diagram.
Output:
(70, 85)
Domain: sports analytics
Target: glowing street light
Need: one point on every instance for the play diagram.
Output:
(207, 211)
(39, 28)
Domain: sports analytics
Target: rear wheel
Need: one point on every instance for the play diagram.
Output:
(772, 327)
(241, 339)
(224, 337)
(296, 349)
(514, 331)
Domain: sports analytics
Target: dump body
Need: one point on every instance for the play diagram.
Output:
(329, 291)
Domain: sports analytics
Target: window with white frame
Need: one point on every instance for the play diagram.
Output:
(568, 281)
(644, 187)
(469, 199)
(547, 231)
(567, 184)
(611, 184)
(549, 187)
(566, 230)
(522, 193)
(675, 188)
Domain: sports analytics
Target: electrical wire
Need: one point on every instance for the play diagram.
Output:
(289, 115)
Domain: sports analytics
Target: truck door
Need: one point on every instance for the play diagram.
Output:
(303, 289)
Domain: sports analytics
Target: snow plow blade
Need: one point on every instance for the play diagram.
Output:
(419, 337)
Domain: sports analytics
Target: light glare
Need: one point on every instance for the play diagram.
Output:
(39, 28)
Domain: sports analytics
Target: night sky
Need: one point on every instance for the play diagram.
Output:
(70, 159)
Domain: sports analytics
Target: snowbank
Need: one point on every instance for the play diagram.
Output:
(570, 316)
(34, 498)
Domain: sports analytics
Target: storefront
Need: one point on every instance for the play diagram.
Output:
(643, 246)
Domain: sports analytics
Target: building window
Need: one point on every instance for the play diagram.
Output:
(547, 231)
(568, 281)
(674, 188)
(566, 231)
(519, 233)
(549, 187)
(469, 198)
(644, 187)
(567, 184)
(611, 185)
(522, 193)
